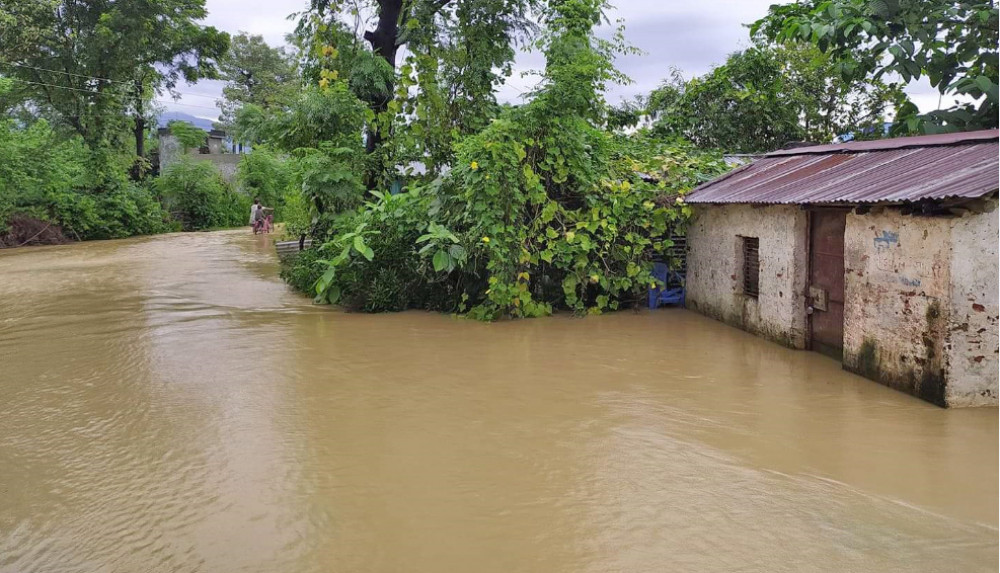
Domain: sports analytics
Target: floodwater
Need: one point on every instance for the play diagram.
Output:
(168, 405)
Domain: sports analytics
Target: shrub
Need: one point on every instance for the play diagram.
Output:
(35, 168)
(293, 211)
(195, 195)
(45, 178)
(302, 272)
(541, 210)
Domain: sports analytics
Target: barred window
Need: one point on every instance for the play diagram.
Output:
(751, 266)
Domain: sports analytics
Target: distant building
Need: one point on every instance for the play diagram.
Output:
(880, 253)
(217, 149)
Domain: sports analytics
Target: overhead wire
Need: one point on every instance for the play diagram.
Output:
(92, 92)
(36, 68)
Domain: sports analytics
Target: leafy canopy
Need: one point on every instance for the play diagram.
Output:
(951, 43)
(256, 74)
(91, 64)
(764, 97)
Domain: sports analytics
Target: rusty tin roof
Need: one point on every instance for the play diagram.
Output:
(962, 165)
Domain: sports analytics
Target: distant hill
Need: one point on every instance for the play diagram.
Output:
(201, 122)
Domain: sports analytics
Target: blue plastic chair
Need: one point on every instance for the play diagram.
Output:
(673, 290)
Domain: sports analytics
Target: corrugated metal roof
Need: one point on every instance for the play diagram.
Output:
(893, 170)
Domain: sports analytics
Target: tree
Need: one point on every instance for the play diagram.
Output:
(256, 74)
(765, 97)
(460, 47)
(94, 63)
(543, 208)
(951, 43)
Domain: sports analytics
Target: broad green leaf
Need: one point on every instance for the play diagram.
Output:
(457, 252)
(441, 260)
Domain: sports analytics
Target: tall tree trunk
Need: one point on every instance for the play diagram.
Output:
(139, 130)
(383, 40)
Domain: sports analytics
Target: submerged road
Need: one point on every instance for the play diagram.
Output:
(167, 404)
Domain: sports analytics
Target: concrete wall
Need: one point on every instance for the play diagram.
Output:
(973, 344)
(715, 282)
(897, 300)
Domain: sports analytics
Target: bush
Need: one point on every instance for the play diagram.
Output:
(541, 210)
(35, 168)
(45, 178)
(294, 213)
(302, 272)
(195, 195)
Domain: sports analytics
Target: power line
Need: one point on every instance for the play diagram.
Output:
(215, 109)
(101, 79)
(63, 87)
(67, 73)
(92, 92)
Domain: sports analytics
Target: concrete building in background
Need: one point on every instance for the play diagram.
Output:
(216, 150)
(880, 253)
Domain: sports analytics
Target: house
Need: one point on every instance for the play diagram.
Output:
(217, 150)
(880, 253)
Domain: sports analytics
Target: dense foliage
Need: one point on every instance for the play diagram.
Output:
(542, 209)
(951, 43)
(94, 65)
(77, 84)
(767, 96)
(43, 178)
(195, 195)
(257, 74)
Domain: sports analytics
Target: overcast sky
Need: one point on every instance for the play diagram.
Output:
(691, 35)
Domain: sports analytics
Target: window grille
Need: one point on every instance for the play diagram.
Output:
(751, 266)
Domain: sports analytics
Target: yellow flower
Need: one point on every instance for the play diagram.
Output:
(474, 165)
(594, 278)
(324, 82)
(486, 239)
(329, 51)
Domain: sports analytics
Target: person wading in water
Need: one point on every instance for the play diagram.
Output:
(253, 214)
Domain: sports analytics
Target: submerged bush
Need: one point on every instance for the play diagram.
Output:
(302, 272)
(196, 196)
(544, 209)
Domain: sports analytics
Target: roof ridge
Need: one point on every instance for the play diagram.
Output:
(937, 140)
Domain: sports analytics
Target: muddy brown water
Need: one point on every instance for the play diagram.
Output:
(168, 405)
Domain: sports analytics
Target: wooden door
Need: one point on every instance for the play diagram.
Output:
(826, 281)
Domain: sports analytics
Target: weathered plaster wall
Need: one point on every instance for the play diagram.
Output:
(714, 280)
(225, 163)
(169, 150)
(972, 352)
(921, 304)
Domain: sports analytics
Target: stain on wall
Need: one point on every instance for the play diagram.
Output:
(896, 300)
(910, 320)
(973, 318)
(714, 281)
